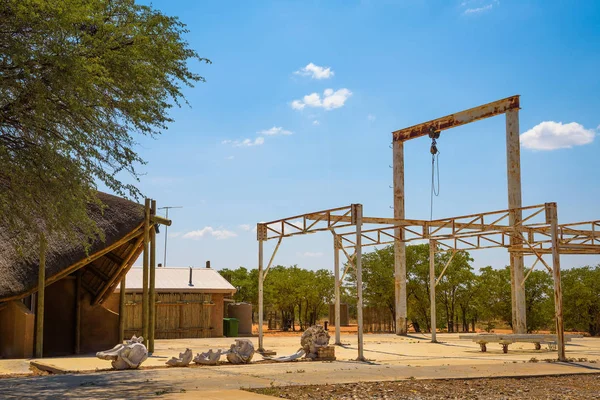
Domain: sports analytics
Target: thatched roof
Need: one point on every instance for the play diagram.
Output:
(19, 271)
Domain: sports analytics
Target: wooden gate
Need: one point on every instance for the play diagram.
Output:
(178, 315)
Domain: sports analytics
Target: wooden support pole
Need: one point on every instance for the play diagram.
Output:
(560, 329)
(517, 266)
(122, 310)
(336, 269)
(78, 312)
(432, 248)
(152, 300)
(39, 313)
(260, 296)
(399, 245)
(145, 298)
(357, 210)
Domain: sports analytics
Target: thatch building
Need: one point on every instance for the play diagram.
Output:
(77, 316)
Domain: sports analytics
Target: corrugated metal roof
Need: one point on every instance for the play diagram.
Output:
(177, 279)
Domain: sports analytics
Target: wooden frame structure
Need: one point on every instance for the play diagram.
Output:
(523, 231)
(320, 221)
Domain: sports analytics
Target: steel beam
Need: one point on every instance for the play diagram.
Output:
(357, 214)
(560, 329)
(432, 283)
(400, 301)
(457, 119)
(336, 271)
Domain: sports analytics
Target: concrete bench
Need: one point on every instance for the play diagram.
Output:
(506, 339)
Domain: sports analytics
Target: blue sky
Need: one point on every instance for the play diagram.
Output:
(368, 68)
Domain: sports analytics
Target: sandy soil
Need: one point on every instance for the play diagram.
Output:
(554, 387)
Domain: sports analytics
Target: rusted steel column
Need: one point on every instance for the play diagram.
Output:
(358, 214)
(39, 312)
(336, 269)
(152, 299)
(122, 311)
(513, 162)
(145, 302)
(261, 235)
(399, 245)
(432, 249)
(560, 329)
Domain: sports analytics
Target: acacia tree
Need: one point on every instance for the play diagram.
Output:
(78, 79)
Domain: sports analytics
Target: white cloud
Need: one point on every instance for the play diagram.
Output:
(316, 122)
(478, 10)
(210, 231)
(276, 130)
(315, 71)
(229, 158)
(550, 135)
(311, 254)
(371, 117)
(330, 100)
(245, 143)
(245, 227)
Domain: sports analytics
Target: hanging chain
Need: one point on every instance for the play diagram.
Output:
(435, 161)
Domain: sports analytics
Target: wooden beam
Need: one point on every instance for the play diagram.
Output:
(114, 258)
(96, 271)
(152, 300)
(116, 277)
(39, 313)
(457, 119)
(157, 219)
(145, 270)
(122, 311)
(78, 313)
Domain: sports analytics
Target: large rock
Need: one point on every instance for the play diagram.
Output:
(241, 352)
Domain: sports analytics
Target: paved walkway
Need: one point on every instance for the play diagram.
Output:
(392, 358)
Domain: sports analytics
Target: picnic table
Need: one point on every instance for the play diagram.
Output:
(509, 338)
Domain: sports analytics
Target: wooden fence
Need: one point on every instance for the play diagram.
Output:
(178, 315)
(378, 319)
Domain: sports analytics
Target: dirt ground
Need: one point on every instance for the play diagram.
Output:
(550, 387)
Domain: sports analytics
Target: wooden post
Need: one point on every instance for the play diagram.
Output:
(357, 211)
(336, 268)
(560, 329)
(260, 292)
(78, 312)
(145, 299)
(39, 313)
(432, 245)
(152, 308)
(517, 267)
(399, 245)
(122, 310)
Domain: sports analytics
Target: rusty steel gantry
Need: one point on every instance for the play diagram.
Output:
(523, 231)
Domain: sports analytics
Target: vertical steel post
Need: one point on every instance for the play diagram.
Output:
(399, 245)
(432, 245)
(513, 164)
(261, 238)
(39, 313)
(122, 311)
(560, 329)
(336, 264)
(152, 299)
(358, 215)
(145, 303)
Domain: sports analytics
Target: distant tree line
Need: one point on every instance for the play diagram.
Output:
(464, 299)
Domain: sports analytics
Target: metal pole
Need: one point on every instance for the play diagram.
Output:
(336, 265)
(260, 296)
(560, 329)
(145, 303)
(432, 245)
(359, 283)
(517, 267)
(152, 308)
(39, 313)
(399, 245)
(167, 231)
(122, 311)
